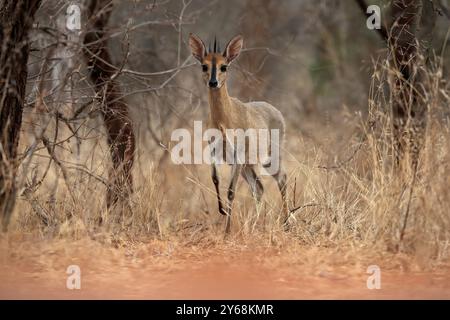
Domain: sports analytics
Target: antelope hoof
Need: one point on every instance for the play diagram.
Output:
(228, 225)
(287, 226)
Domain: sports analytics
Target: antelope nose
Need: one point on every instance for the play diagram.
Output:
(213, 83)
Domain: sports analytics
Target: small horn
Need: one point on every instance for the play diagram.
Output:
(215, 44)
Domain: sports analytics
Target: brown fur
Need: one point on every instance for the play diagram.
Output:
(230, 113)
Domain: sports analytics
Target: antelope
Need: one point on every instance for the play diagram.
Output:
(229, 113)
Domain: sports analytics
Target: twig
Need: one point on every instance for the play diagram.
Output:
(292, 211)
(408, 207)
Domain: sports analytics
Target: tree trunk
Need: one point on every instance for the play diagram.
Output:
(413, 24)
(114, 110)
(16, 19)
(404, 46)
(408, 42)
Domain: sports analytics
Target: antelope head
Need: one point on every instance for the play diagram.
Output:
(215, 63)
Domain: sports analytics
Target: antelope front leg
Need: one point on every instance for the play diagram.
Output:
(215, 179)
(235, 172)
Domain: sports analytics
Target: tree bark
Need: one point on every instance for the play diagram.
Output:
(404, 46)
(411, 33)
(408, 41)
(114, 110)
(16, 19)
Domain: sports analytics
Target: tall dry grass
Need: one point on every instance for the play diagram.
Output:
(344, 185)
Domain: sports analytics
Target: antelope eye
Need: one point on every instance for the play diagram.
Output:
(223, 68)
(204, 67)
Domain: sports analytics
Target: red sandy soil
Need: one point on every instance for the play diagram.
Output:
(168, 271)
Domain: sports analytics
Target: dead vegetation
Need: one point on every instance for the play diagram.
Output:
(348, 188)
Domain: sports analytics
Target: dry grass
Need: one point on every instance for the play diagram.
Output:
(342, 180)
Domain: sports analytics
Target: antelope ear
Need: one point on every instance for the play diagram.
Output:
(233, 48)
(198, 48)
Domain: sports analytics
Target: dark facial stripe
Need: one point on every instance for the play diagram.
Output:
(214, 70)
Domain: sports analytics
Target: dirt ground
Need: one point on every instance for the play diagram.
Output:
(165, 270)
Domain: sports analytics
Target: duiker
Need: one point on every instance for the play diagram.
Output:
(230, 113)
